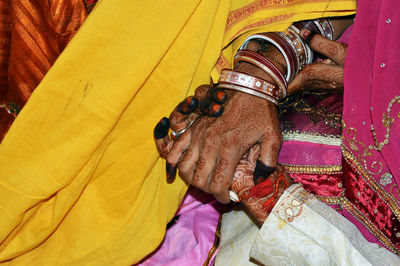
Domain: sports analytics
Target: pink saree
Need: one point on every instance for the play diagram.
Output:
(371, 126)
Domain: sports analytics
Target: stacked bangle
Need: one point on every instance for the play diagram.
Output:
(236, 80)
(296, 53)
(266, 65)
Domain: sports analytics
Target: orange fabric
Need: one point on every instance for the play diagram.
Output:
(32, 36)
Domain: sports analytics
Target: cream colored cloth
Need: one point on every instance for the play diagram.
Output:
(299, 231)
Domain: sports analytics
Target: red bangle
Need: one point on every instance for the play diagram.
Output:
(266, 65)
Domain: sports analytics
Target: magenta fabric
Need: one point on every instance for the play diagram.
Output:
(190, 240)
(371, 115)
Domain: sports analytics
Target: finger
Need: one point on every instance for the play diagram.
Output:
(179, 116)
(188, 105)
(210, 108)
(222, 176)
(268, 158)
(201, 91)
(174, 155)
(161, 137)
(205, 166)
(188, 162)
(336, 51)
(318, 76)
(218, 95)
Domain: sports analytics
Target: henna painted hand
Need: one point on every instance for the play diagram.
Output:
(207, 101)
(243, 185)
(327, 74)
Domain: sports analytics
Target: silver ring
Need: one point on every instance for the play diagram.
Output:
(179, 133)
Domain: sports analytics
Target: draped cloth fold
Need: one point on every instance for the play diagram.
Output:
(81, 181)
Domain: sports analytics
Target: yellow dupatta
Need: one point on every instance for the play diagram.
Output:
(80, 179)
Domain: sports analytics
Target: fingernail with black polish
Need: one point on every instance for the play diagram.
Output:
(262, 172)
(188, 105)
(171, 173)
(205, 106)
(161, 129)
(220, 96)
(216, 109)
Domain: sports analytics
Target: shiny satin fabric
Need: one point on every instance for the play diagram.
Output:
(194, 238)
(33, 34)
(81, 180)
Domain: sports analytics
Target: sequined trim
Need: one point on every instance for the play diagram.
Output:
(331, 200)
(352, 160)
(313, 169)
(381, 193)
(312, 137)
(387, 122)
(370, 226)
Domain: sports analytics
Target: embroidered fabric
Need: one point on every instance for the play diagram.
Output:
(303, 231)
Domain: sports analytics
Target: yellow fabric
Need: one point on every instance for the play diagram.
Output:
(80, 179)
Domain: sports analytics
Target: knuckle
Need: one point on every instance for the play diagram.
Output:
(199, 181)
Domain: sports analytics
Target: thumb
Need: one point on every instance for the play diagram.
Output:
(268, 158)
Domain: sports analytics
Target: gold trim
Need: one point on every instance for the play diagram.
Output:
(312, 138)
(331, 200)
(370, 226)
(351, 160)
(216, 242)
(312, 169)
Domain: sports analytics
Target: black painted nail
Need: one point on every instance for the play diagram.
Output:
(171, 173)
(205, 106)
(161, 129)
(188, 105)
(216, 109)
(262, 172)
(210, 108)
(219, 95)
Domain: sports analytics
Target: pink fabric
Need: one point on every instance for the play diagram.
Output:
(306, 153)
(372, 82)
(189, 241)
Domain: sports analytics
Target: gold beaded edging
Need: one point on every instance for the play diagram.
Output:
(370, 226)
(312, 138)
(331, 200)
(351, 160)
(312, 169)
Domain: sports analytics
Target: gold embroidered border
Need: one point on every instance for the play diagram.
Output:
(312, 169)
(237, 15)
(215, 246)
(263, 22)
(370, 226)
(352, 160)
(313, 138)
(331, 200)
